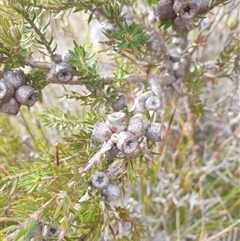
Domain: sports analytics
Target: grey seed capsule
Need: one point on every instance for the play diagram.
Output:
(145, 95)
(111, 192)
(165, 10)
(10, 107)
(139, 107)
(128, 144)
(15, 77)
(26, 95)
(6, 91)
(182, 26)
(53, 230)
(153, 103)
(112, 152)
(119, 104)
(101, 132)
(167, 79)
(117, 121)
(100, 180)
(138, 125)
(57, 58)
(64, 72)
(203, 6)
(187, 9)
(67, 56)
(155, 132)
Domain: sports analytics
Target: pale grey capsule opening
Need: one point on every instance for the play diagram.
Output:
(64, 72)
(100, 180)
(111, 192)
(153, 103)
(26, 95)
(128, 144)
(187, 9)
(15, 77)
(10, 107)
(6, 91)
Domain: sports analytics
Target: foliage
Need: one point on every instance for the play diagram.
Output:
(185, 187)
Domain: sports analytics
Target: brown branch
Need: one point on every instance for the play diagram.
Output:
(50, 75)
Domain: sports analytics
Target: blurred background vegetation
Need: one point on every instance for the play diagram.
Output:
(189, 187)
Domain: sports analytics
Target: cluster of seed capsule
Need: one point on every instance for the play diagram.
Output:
(109, 190)
(181, 12)
(14, 92)
(147, 101)
(127, 132)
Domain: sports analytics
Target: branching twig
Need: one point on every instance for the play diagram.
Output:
(106, 147)
(220, 234)
(35, 215)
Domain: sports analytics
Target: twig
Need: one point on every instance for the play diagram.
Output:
(57, 154)
(38, 64)
(35, 215)
(50, 75)
(51, 8)
(226, 230)
(106, 147)
(61, 235)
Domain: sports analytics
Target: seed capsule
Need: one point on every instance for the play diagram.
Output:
(6, 91)
(10, 107)
(117, 121)
(182, 26)
(64, 72)
(145, 95)
(155, 132)
(15, 77)
(26, 95)
(153, 103)
(165, 10)
(128, 144)
(112, 152)
(166, 79)
(101, 132)
(111, 192)
(57, 58)
(100, 180)
(67, 56)
(119, 104)
(138, 125)
(186, 9)
(203, 6)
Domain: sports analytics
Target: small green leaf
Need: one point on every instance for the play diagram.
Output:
(31, 226)
(9, 228)
(20, 234)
